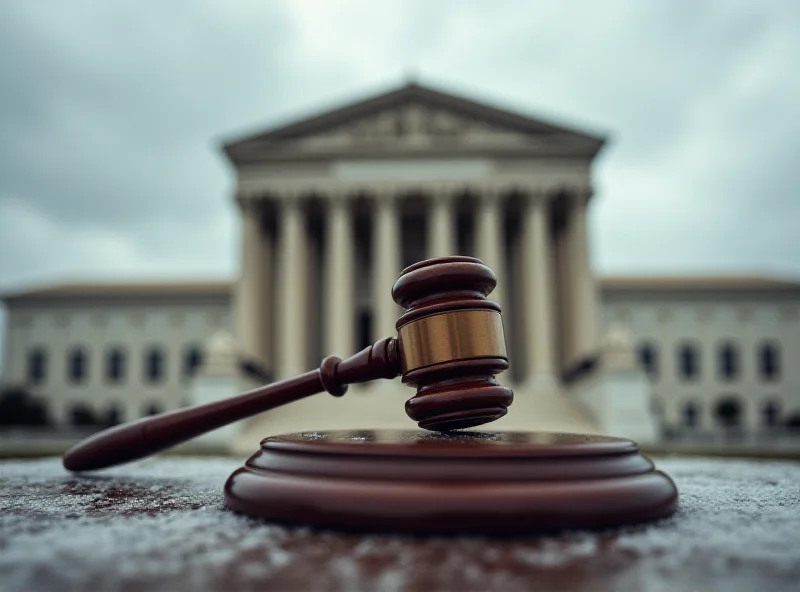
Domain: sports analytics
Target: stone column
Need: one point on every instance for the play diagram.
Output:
(441, 224)
(537, 278)
(584, 296)
(291, 347)
(252, 305)
(267, 298)
(563, 296)
(489, 240)
(339, 263)
(385, 263)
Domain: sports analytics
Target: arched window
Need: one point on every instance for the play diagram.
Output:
(113, 415)
(77, 365)
(648, 358)
(769, 361)
(691, 413)
(192, 360)
(771, 413)
(115, 365)
(152, 409)
(728, 412)
(154, 365)
(81, 414)
(688, 361)
(728, 361)
(37, 365)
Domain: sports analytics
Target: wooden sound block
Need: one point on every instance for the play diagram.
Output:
(457, 482)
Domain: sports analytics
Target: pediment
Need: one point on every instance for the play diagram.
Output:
(413, 125)
(413, 118)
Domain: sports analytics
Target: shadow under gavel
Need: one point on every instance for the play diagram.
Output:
(450, 346)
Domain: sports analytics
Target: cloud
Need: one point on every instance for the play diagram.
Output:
(111, 117)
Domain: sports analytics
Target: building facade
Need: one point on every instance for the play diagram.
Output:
(718, 352)
(119, 351)
(721, 353)
(333, 207)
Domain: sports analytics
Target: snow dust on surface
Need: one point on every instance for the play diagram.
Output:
(160, 524)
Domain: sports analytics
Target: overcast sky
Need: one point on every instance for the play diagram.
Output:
(111, 116)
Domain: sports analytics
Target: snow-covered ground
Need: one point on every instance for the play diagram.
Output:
(161, 524)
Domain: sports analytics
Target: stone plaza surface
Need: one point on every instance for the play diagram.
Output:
(160, 524)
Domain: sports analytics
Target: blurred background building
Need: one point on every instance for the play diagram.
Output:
(333, 206)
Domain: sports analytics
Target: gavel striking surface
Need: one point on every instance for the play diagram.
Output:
(458, 482)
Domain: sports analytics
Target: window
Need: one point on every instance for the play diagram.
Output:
(729, 412)
(690, 415)
(37, 366)
(152, 409)
(192, 361)
(688, 361)
(648, 358)
(154, 365)
(771, 412)
(113, 415)
(82, 415)
(77, 365)
(115, 365)
(728, 361)
(769, 361)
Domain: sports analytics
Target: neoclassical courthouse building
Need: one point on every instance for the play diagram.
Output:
(333, 207)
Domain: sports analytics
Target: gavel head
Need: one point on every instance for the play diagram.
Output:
(451, 343)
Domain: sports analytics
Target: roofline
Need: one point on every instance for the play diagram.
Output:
(696, 283)
(155, 288)
(112, 289)
(399, 94)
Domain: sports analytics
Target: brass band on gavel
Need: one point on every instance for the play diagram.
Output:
(456, 335)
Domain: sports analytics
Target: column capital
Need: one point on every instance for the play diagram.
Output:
(579, 196)
(536, 196)
(441, 194)
(248, 204)
(543, 191)
(386, 197)
(491, 194)
(339, 198)
(289, 199)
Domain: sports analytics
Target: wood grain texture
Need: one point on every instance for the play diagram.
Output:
(462, 482)
(147, 436)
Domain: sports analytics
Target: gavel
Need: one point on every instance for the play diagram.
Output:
(450, 345)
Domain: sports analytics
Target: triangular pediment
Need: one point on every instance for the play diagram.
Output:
(413, 118)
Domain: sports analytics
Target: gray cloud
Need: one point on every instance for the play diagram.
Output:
(111, 115)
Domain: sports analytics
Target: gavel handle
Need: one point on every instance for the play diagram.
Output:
(149, 435)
